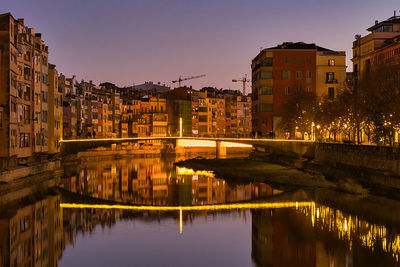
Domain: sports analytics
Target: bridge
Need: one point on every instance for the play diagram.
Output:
(220, 143)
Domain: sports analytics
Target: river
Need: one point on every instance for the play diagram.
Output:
(192, 218)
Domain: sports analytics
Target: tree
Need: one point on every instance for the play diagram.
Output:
(298, 113)
(380, 101)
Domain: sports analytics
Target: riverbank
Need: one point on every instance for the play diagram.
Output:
(245, 170)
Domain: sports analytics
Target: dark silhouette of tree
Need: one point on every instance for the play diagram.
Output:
(298, 113)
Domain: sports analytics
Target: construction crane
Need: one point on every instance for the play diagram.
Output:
(187, 78)
(244, 80)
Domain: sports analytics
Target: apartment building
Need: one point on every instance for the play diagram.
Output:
(179, 107)
(55, 111)
(281, 71)
(24, 109)
(238, 113)
(211, 112)
(365, 48)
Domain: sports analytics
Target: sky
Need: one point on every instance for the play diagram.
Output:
(132, 41)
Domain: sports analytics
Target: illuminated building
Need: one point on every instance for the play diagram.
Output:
(281, 71)
(55, 111)
(238, 113)
(331, 73)
(24, 91)
(68, 87)
(364, 48)
(211, 112)
(179, 105)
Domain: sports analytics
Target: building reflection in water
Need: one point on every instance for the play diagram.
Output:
(31, 232)
(36, 231)
(320, 236)
(155, 181)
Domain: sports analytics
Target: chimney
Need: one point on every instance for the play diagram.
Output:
(376, 22)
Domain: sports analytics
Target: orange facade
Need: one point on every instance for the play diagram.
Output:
(277, 74)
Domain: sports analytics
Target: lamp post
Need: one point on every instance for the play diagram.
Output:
(313, 131)
(180, 127)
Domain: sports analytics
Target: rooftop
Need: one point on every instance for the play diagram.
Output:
(390, 21)
(299, 45)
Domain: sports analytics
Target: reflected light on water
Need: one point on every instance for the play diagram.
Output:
(269, 205)
(351, 228)
(185, 171)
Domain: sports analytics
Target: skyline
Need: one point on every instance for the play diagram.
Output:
(129, 43)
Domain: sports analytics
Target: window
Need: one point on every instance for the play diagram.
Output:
(308, 89)
(13, 80)
(299, 60)
(19, 50)
(265, 107)
(27, 114)
(287, 60)
(286, 74)
(266, 74)
(298, 89)
(38, 139)
(266, 90)
(44, 116)
(287, 90)
(14, 56)
(331, 62)
(44, 60)
(299, 74)
(19, 111)
(330, 77)
(27, 73)
(27, 92)
(267, 62)
(44, 96)
(203, 118)
(308, 60)
(45, 78)
(24, 140)
(331, 93)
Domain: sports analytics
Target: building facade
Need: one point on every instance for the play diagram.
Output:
(279, 72)
(24, 111)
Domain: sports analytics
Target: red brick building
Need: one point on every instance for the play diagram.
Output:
(277, 73)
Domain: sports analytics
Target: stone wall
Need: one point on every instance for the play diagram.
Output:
(385, 159)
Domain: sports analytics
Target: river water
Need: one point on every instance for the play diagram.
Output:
(211, 222)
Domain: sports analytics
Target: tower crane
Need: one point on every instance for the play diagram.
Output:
(187, 78)
(244, 80)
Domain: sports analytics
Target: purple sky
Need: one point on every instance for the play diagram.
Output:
(129, 41)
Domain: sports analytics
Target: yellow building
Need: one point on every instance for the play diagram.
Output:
(211, 112)
(364, 47)
(331, 72)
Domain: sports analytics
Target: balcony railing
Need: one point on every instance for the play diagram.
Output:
(332, 81)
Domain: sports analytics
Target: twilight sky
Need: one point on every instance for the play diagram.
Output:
(131, 41)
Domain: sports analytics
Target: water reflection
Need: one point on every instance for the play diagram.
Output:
(31, 232)
(36, 231)
(155, 181)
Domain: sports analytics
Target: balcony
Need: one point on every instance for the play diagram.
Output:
(331, 81)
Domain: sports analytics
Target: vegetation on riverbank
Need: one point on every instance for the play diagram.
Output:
(243, 170)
